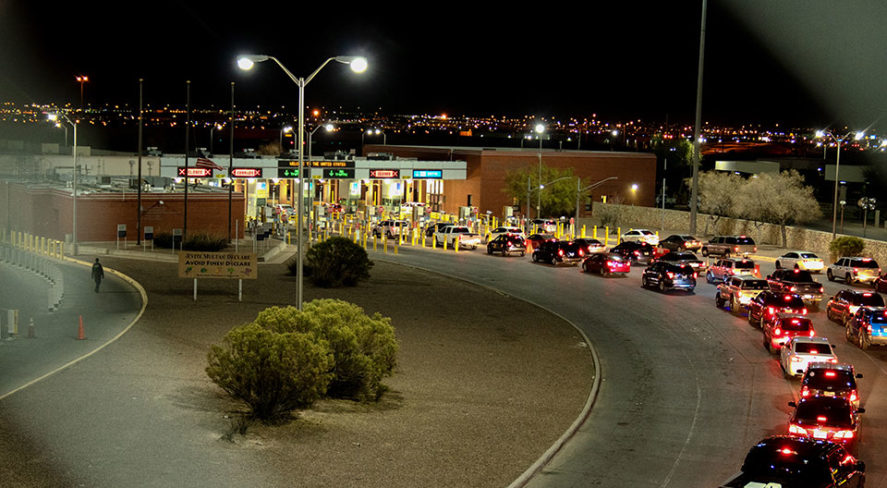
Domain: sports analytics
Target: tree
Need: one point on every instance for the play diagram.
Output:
(557, 198)
(780, 199)
(717, 192)
(677, 153)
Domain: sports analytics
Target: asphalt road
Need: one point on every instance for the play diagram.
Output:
(687, 388)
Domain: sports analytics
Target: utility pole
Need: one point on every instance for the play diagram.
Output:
(694, 194)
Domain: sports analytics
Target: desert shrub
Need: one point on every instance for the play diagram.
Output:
(272, 372)
(336, 262)
(364, 347)
(846, 246)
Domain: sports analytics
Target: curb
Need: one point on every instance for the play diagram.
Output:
(555, 448)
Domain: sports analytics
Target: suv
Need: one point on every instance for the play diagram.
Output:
(669, 276)
(391, 228)
(729, 246)
(846, 302)
(798, 461)
(556, 252)
(827, 379)
(768, 303)
(867, 327)
(738, 291)
(783, 327)
(860, 270)
(545, 225)
(723, 269)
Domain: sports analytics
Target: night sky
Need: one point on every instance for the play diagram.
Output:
(813, 62)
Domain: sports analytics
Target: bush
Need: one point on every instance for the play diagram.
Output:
(364, 347)
(336, 262)
(846, 246)
(273, 373)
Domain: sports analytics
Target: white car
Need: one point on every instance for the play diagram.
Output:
(641, 235)
(805, 260)
(545, 225)
(854, 269)
(498, 231)
(796, 354)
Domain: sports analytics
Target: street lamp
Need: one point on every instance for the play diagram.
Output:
(590, 187)
(81, 79)
(284, 130)
(358, 65)
(540, 129)
(374, 132)
(838, 140)
(54, 117)
(328, 127)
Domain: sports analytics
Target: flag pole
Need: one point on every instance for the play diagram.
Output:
(187, 135)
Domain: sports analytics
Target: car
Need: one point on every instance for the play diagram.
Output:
(606, 264)
(558, 252)
(591, 245)
(783, 327)
(678, 242)
(738, 291)
(787, 461)
(536, 240)
(800, 351)
(678, 257)
(667, 276)
(641, 235)
(831, 380)
(431, 229)
(725, 268)
(504, 230)
(805, 260)
(797, 281)
(545, 225)
(842, 305)
(391, 228)
(638, 252)
(729, 246)
(854, 270)
(507, 244)
(880, 284)
(867, 327)
(826, 418)
(766, 304)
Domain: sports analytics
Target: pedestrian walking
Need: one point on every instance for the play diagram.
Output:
(98, 274)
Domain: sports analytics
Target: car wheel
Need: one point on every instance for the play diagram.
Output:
(761, 322)
(709, 277)
(535, 258)
(778, 265)
(767, 345)
(489, 251)
(734, 304)
(522, 253)
(751, 320)
(719, 302)
(785, 373)
(605, 272)
(704, 252)
(848, 333)
(864, 341)
(644, 282)
(661, 285)
(829, 275)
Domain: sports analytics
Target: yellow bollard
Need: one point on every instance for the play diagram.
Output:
(583, 231)
(594, 229)
(395, 248)
(457, 243)
(607, 236)
(374, 242)
(445, 244)
(433, 242)
(385, 244)
(618, 235)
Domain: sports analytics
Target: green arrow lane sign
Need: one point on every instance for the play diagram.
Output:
(338, 173)
(291, 172)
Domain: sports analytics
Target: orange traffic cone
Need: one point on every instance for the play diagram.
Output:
(80, 334)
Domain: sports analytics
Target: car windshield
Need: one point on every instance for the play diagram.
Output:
(744, 264)
(865, 263)
(871, 299)
(796, 324)
(679, 256)
(799, 276)
(829, 379)
(826, 411)
(807, 255)
(615, 257)
(754, 285)
(745, 241)
(460, 229)
(812, 348)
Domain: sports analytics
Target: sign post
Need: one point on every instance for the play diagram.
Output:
(121, 234)
(149, 236)
(221, 265)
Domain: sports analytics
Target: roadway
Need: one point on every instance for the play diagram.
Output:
(686, 388)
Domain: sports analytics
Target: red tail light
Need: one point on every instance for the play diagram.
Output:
(581, 252)
(560, 252)
(812, 332)
(821, 419)
(804, 311)
(670, 275)
(777, 331)
(854, 396)
(736, 249)
(770, 311)
(844, 434)
(796, 429)
(805, 392)
(793, 289)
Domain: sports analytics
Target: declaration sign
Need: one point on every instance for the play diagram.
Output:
(231, 265)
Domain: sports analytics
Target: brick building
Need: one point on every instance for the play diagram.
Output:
(487, 167)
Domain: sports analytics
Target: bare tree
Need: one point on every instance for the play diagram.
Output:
(780, 199)
(717, 194)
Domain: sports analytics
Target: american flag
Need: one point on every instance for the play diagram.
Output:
(207, 163)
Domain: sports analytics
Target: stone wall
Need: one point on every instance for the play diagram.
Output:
(678, 221)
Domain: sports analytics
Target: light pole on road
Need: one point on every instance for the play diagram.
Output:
(358, 65)
(54, 117)
(838, 140)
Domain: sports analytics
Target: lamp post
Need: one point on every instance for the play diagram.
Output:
(590, 187)
(328, 127)
(81, 79)
(358, 65)
(54, 117)
(540, 128)
(838, 141)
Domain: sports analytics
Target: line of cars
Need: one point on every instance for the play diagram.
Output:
(824, 428)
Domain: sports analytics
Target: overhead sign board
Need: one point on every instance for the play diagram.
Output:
(347, 173)
(246, 172)
(427, 173)
(384, 173)
(291, 172)
(194, 172)
(230, 265)
(294, 163)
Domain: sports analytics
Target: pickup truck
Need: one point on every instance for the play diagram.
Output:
(737, 291)
(796, 281)
(457, 233)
